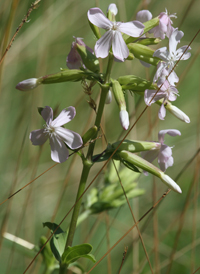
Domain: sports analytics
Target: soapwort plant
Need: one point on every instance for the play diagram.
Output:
(121, 42)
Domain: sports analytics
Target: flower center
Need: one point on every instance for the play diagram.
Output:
(48, 129)
(115, 26)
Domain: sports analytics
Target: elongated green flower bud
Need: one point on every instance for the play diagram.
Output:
(89, 59)
(145, 165)
(135, 83)
(89, 134)
(143, 53)
(119, 97)
(135, 146)
(67, 75)
(149, 41)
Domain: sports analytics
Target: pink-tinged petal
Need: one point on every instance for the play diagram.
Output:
(162, 53)
(27, 84)
(150, 155)
(64, 117)
(47, 114)
(103, 45)
(149, 94)
(171, 132)
(38, 137)
(59, 151)
(180, 52)
(71, 138)
(74, 60)
(147, 65)
(170, 29)
(174, 39)
(97, 18)
(124, 119)
(173, 78)
(160, 69)
(143, 16)
(119, 47)
(162, 112)
(165, 158)
(134, 28)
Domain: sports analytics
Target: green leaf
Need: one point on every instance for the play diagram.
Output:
(102, 156)
(58, 241)
(72, 254)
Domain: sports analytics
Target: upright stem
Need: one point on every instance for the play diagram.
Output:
(87, 164)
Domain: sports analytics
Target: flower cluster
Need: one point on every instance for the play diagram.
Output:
(120, 41)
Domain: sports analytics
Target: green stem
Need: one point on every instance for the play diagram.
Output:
(87, 164)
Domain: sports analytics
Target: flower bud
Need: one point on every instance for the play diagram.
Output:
(119, 97)
(145, 165)
(170, 183)
(177, 113)
(135, 83)
(89, 134)
(111, 12)
(28, 84)
(88, 58)
(95, 30)
(108, 97)
(135, 146)
(67, 75)
(143, 53)
(124, 119)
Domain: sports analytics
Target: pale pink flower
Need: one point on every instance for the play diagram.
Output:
(163, 152)
(58, 135)
(165, 25)
(74, 60)
(113, 36)
(171, 57)
(166, 92)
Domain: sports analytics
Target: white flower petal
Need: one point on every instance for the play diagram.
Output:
(173, 78)
(162, 112)
(150, 155)
(47, 114)
(171, 132)
(119, 47)
(59, 151)
(143, 16)
(134, 28)
(174, 39)
(38, 137)
(103, 45)
(64, 117)
(149, 94)
(165, 158)
(162, 53)
(97, 18)
(71, 138)
(180, 51)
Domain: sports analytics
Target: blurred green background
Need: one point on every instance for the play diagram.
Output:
(41, 48)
